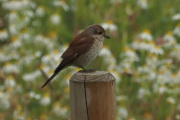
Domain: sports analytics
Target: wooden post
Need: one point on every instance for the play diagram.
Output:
(92, 96)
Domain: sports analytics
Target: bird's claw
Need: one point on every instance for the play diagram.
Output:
(91, 70)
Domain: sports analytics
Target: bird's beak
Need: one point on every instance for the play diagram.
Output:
(106, 36)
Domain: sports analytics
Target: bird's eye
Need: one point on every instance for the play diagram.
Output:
(100, 32)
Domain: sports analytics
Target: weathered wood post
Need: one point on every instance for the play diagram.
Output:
(92, 96)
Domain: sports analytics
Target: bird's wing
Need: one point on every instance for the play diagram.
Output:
(77, 47)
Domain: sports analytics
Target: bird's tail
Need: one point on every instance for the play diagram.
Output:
(49, 80)
(57, 70)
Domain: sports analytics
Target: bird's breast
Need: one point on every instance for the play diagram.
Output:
(91, 54)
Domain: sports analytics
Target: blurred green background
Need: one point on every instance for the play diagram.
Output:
(143, 54)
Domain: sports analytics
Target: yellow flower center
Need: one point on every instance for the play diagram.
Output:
(42, 66)
(46, 95)
(175, 75)
(68, 76)
(178, 24)
(53, 34)
(3, 31)
(147, 31)
(170, 33)
(151, 42)
(176, 49)
(67, 90)
(56, 51)
(14, 39)
(7, 64)
(51, 72)
(110, 22)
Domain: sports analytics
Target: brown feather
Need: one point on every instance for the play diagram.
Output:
(78, 46)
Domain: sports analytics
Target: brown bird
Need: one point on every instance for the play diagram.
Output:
(82, 50)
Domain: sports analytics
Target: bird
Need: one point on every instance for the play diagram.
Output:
(82, 50)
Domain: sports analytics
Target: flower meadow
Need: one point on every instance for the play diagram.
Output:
(143, 54)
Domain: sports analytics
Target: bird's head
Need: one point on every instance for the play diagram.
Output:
(96, 30)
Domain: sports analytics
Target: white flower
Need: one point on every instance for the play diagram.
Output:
(37, 96)
(27, 59)
(46, 100)
(123, 113)
(3, 35)
(4, 57)
(175, 78)
(143, 69)
(141, 45)
(142, 3)
(164, 75)
(4, 101)
(58, 3)
(109, 26)
(116, 75)
(112, 63)
(125, 66)
(40, 12)
(178, 116)
(146, 35)
(42, 40)
(59, 111)
(12, 17)
(38, 53)
(130, 54)
(17, 5)
(171, 100)
(19, 115)
(13, 29)
(152, 75)
(14, 55)
(169, 40)
(16, 43)
(164, 62)
(162, 89)
(28, 13)
(55, 19)
(129, 10)
(34, 95)
(25, 37)
(152, 61)
(10, 68)
(31, 76)
(31, 94)
(176, 31)
(108, 58)
(142, 93)
(10, 82)
(157, 50)
(105, 52)
(121, 98)
(52, 58)
(176, 17)
(47, 69)
(176, 51)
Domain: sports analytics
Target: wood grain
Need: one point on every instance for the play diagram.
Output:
(92, 96)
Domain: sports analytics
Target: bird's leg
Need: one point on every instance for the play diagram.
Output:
(85, 70)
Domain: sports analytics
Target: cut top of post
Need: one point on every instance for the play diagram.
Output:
(98, 76)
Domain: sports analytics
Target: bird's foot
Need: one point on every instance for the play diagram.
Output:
(87, 71)
(91, 70)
